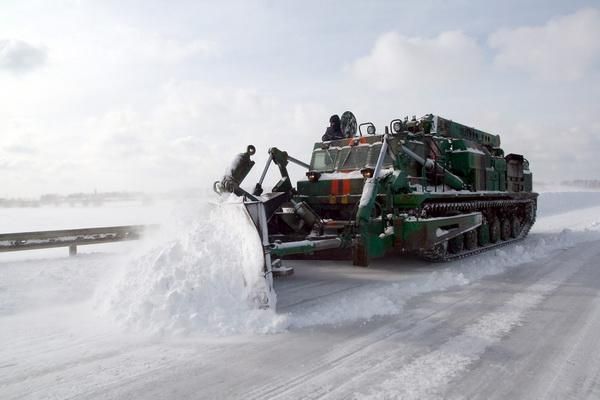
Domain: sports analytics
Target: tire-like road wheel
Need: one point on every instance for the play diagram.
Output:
(515, 227)
(483, 234)
(505, 229)
(456, 244)
(437, 253)
(471, 239)
(494, 230)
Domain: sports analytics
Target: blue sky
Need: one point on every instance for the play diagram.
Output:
(152, 95)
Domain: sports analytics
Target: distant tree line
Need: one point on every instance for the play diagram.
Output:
(583, 183)
(96, 199)
(77, 199)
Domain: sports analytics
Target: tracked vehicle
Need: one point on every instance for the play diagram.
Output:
(428, 186)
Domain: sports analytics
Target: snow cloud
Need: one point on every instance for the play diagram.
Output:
(398, 61)
(566, 48)
(18, 56)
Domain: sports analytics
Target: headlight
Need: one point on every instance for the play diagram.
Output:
(313, 176)
(397, 127)
(371, 129)
(367, 172)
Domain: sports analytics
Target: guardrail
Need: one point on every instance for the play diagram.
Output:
(70, 238)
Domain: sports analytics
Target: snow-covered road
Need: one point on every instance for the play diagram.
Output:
(520, 322)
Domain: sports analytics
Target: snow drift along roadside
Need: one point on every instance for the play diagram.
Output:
(201, 280)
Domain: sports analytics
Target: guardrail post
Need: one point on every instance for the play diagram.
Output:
(72, 250)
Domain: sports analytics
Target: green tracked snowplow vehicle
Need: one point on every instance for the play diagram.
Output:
(428, 186)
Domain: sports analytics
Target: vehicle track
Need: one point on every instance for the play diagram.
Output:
(437, 256)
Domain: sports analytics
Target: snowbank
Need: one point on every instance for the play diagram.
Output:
(205, 279)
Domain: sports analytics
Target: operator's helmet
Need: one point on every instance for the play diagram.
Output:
(335, 120)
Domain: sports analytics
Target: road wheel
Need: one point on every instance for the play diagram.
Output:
(437, 253)
(471, 239)
(505, 229)
(456, 244)
(494, 230)
(515, 227)
(483, 234)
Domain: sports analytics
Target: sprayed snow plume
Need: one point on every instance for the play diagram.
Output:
(205, 278)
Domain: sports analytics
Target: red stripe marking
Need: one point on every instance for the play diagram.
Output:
(335, 187)
(346, 186)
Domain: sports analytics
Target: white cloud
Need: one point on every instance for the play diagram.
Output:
(148, 101)
(398, 61)
(564, 49)
(557, 153)
(18, 56)
(184, 138)
(127, 43)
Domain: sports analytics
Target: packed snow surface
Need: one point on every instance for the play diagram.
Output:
(175, 315)
(390, 296)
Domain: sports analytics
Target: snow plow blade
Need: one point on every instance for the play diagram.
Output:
(257, 211)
